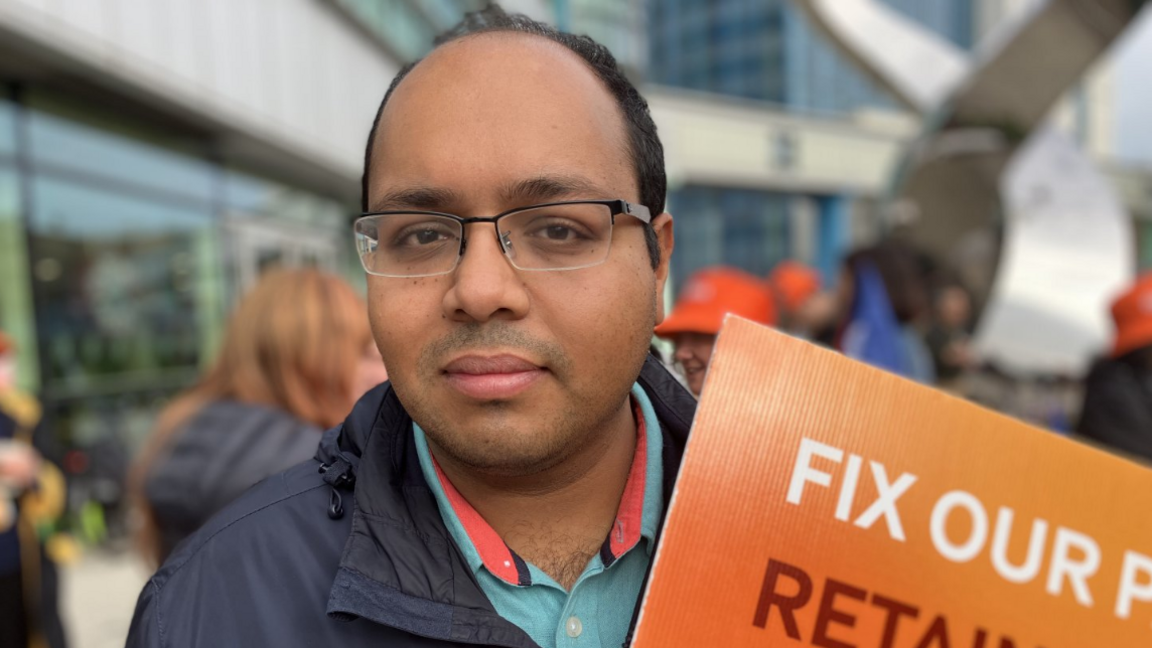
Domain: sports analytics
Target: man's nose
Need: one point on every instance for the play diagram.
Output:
(485, 286)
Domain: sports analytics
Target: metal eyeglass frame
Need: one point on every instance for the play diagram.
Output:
(617, 207)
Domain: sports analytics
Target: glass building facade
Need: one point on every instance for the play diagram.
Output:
(766, 50)
(407, 27)
(122, 246)
(744, 228)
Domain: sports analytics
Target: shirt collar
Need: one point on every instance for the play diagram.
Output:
(639, 514)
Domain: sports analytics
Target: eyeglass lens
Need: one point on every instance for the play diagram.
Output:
(558, 237)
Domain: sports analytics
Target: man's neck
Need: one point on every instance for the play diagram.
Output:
(557, 519)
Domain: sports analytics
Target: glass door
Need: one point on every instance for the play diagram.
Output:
(259, 245)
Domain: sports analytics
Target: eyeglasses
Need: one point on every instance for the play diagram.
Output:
(553, 236)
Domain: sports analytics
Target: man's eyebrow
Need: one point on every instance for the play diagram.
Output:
(423, 198)
(545, 188)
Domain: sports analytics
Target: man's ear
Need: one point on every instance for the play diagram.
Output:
(665, 241)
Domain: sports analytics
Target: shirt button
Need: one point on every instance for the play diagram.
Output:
(574, 627)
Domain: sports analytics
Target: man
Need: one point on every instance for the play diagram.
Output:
(793, 284)
(508, 486)
(706, 298)
(802, 308)
(1118, 390)
(949, 337)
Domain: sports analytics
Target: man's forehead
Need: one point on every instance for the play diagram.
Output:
(510, 60)
(489, 75)
(506, 96)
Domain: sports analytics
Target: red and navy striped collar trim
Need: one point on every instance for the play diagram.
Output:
(505, 564)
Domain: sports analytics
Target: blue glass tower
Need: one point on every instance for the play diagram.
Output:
(766, 50)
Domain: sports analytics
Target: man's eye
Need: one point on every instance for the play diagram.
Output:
(426, 236)
(558, 232)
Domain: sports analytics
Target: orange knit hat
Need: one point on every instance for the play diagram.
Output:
(1132, 312)
(712, 293)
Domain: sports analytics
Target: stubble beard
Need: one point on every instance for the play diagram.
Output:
(493, 447)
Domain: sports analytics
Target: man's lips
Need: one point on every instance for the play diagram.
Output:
(492, 377)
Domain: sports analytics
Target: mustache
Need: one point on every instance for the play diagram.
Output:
(479, 337)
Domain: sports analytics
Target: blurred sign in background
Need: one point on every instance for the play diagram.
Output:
(156, 155)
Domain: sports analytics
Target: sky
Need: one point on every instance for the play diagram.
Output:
(1134, 91)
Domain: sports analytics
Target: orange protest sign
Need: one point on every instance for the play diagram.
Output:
(825, 503)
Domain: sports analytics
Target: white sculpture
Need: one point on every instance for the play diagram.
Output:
(987, 177)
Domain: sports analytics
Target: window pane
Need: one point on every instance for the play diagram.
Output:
(15, 292)
(7, 127)
(700, 225)
(741, 228)
(255, 195)
(65, 144)
(1144, 230)
(248, 195)
(129, 289)
(396, 23)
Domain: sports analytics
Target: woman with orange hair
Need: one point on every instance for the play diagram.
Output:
(297, 354)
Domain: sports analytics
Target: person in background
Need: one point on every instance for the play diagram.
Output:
(32, 497)
(803, 309)
(792, 284)
(949, 336)
(296, 355)
(883, 296)
(1118, 391)
(706, 298)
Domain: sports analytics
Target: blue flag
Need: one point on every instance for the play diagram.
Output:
(873, 334)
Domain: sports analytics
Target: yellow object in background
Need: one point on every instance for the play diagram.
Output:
(63, 549)
(45, 503)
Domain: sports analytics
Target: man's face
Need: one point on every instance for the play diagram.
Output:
(511, 371)
(693, 351)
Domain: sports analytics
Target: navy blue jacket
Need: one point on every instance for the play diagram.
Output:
(347, 550)
(218, 455)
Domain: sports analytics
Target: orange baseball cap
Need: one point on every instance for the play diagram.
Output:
(794, 283)
(1132, 312)
(714, 292)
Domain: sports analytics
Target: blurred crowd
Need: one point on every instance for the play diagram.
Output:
(893, 308)
(298, 352)
(888, 307)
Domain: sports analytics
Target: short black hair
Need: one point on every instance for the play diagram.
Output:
(902, 270)
(644, 144)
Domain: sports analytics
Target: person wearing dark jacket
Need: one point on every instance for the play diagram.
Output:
(32, 494)
(357, 555)
(1118, 391)
(225, 449)
(507, 487)
(293, 361)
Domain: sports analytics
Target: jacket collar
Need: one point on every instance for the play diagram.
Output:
(400, 567)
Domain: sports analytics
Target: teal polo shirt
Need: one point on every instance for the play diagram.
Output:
(598, 610)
